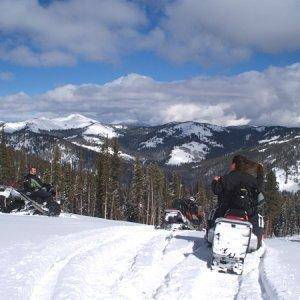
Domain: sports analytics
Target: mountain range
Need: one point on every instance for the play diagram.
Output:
(189, 147)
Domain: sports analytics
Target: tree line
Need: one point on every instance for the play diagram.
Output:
(142, 196)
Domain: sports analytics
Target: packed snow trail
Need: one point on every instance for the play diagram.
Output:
(89, 258)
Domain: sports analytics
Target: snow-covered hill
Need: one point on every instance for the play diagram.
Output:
(73, 121)
(75, 257)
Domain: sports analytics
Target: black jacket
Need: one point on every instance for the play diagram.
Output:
(32, 183)
(226, 184)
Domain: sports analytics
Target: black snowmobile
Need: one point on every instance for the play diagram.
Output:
(20, 201)
(184, 214)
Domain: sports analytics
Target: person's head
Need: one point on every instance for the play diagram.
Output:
(238, 163)
(32, 170)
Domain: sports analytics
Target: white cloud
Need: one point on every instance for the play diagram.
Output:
(210, 31)
(66, 31)
(6, 76)
(214, 114)
(262, 98)
(203, 31)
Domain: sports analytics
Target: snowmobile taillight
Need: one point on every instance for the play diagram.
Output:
(240, 218)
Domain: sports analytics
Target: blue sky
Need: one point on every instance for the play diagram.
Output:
(39, 79)
(45, 45)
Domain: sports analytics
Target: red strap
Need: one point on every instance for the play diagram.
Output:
(233, 217)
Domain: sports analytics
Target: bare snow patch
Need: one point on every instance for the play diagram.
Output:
(12, 127)
(152, 143)
(102, 130)
(97, 149)
(274, 138)
(188, 153)
(187, 129)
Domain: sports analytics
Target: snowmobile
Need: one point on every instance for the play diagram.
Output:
(175, 220)
(231, 238)
(18, 201)
(186, 214)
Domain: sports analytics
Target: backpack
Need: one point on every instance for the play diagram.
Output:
(243, 198)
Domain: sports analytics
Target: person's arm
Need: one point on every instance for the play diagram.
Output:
(40, 182)
(34, 183)
(26, 183)
(217, 185)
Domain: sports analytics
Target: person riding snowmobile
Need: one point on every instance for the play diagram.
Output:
(190, 209)
(35, 188)
(238, 178)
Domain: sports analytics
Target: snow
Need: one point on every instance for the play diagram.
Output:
(123, 155)
(99, 129)
(152, 143)
(259, 128)
(89, 147)
(187, 153)
(93, 140)
(12, 127)
(268, 140)
(216, 128)
(290, 180)
(76, 257)
(73, 121)
(280, 268)
(285, 141)
(187, 129)
(126, 156)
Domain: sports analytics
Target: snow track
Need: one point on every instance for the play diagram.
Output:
(127, 261)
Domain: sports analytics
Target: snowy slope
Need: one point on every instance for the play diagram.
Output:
(73, 121)
(88, 258)
(187, 153)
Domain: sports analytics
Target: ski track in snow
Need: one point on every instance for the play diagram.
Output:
(134, 262)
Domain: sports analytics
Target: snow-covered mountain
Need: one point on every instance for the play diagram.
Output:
(73, 121)
(77, 257)
(173, 145)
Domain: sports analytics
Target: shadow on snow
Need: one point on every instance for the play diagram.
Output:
(200, 248)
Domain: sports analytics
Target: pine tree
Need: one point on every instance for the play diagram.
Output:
(103, 182)
(149, 194)
(273, 201)
(137, 191)
(178, 187)
(203, 200)
(106, 180)
(7, 171)
(21, 168)
(116, 204)
(79, 187)
(159, 179)
(68, 189)
(99, 187)
(56, 169)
